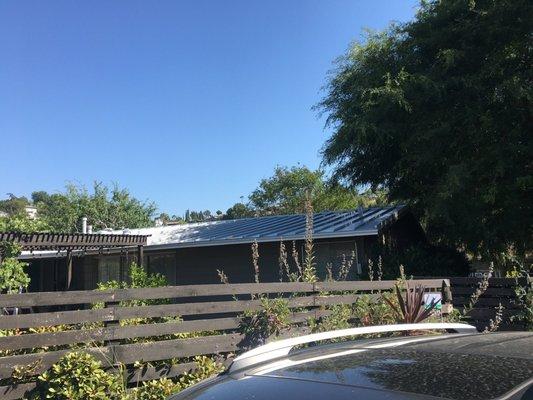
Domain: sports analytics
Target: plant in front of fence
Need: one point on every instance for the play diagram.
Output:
(270, 320)
(339, 318)
(160, 389)
(78, 376)
(524, 300)
(412, 309)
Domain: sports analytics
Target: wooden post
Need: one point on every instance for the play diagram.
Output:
(69, 269)
(140, 255)
(446, 298)
(110, 324)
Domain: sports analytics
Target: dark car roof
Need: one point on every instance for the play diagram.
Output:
(447, 366)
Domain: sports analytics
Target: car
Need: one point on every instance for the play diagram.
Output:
(461, 364)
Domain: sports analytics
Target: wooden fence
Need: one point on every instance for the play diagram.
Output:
(500, 291)
(213, 308)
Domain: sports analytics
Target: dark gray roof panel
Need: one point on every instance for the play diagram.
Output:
(362, 222)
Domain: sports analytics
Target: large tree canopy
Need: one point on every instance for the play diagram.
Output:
(438, 110)
(104, 208)
(286, 190)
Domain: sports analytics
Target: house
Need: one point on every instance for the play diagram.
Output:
(192, 253)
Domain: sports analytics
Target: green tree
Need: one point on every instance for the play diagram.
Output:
(12, 271)
(438, 111)
(238, 210)
(14, 205)
(104, 208)
(285, 193)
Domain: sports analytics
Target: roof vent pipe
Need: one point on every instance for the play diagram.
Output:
(89, 229)
(360, 211)
(84, 225)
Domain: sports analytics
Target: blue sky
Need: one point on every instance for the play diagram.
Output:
(186, 103)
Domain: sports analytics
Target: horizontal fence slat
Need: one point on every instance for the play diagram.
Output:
(56, 318)
(164, 292)
(40, 299)
(163, 310)
(504, 282)
(14, 392)
(177, 348)
(149, 372)
(375, 285)
(42, 361)
(494, 292)
(24, 341)
(486, 302)
(490, 313)
(129, 353)
(114, 333)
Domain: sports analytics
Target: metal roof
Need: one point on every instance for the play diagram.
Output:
(329, 224)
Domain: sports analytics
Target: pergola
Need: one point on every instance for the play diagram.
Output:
(69, 242)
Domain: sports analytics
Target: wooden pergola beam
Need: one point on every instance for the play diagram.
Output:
(71, 241)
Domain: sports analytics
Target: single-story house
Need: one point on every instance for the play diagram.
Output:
(192, 253)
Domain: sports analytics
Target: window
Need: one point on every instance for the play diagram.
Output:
(109, 268)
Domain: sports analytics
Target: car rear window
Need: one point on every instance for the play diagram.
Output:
(453, 376)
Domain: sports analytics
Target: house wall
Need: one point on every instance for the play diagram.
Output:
(196, 265)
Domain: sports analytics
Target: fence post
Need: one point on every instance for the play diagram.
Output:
(111, 324)
(446, 298)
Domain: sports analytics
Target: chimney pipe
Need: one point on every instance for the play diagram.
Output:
(84, 225)
(89, 229)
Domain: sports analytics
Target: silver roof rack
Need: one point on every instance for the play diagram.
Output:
(281, 348)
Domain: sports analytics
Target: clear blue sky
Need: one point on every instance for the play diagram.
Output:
(186, 103)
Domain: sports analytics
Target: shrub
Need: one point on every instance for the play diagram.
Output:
(338, 319)
(12, 276)
(271, 319)
(370, 312)
(412, 309)
(158, 389)
(79, 376)
(205, 368)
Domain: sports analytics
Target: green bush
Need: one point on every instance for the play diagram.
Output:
(158, 389)
(340, 317)
(369, 312)
(79, 376)
(270, 320)
(205, 368)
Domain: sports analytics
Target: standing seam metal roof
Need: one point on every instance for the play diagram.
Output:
(329, 224)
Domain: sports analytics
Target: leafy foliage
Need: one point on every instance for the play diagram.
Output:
(238, 210)
(369, 312)
(205, 368)
(12, 273)
(78, 376)
(12, 276)
(286, 191)
(104, 208)
(271, 319)
(412, 309)
(437, 111)
(14, 205)
(159, 389)
(340, 317)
